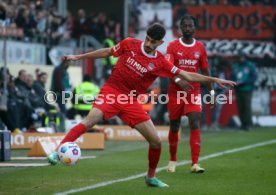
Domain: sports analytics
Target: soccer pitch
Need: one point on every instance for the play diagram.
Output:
(236, 163)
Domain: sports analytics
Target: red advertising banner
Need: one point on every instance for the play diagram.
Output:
(239, 22)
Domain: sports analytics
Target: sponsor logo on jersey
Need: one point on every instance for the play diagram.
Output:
(137, 66)
(187, 62)
(151, 66)
(196, 54)
(180, 53)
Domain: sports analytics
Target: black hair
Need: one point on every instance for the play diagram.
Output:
(156, 31)
(20, 72)
(42, 74)
(188, 17)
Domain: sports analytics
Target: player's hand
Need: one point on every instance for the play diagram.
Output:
(184, 85)
(71, 57)
(222, 83)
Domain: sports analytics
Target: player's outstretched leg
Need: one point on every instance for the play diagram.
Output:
(147, 129)
(94, 116)
(71, 136)
(173, 144)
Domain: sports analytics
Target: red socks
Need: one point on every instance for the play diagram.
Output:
(153, 157)
(195, 145)
(173, 142)
(73, 134)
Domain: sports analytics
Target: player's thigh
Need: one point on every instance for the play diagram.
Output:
(132, 113)
(149, 132)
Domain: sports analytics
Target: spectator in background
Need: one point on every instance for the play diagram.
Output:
(57, 30)
(26, 21)
(35, 103)
(39, 88)
(20, 81)
(101, 25)
(97, 26)
(5, 116)
(2, 13)
(244, 73)
(83, 97)
(39, 84)
(37, 73)
(113, 28)
(81, 26)
(41, 26)
(10, 19)
(61, 84)
(218, 69)
(14, 104)
(68, 27)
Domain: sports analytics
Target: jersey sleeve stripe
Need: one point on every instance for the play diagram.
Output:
(174, 69)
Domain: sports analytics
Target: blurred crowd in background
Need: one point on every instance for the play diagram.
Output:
(41, 22)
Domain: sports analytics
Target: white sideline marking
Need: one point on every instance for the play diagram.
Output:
(44, 158)
(32, 164)
(23, 164)
(214, 155)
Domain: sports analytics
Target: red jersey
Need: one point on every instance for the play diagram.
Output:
(135, 69)
(188, 57)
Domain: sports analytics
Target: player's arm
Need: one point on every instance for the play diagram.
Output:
(171, 71)
(115, 51)
(195, 77)
(100, 53)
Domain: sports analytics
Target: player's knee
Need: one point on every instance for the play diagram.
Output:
(156, 143)
(174, 126)
(88, 123)
(194, 124)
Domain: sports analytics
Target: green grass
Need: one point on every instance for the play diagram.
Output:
(246, 172)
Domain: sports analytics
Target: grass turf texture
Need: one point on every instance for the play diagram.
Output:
(251, 171)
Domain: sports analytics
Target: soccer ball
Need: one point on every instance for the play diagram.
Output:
(69, 153)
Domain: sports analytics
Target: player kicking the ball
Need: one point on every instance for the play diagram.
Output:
(190, 55)
(138, 66)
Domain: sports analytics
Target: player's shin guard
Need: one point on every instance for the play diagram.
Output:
(195, 145)
(73, 134)
(173, 142)
(153, 157)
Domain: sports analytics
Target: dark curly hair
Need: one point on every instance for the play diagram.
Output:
(156, 31)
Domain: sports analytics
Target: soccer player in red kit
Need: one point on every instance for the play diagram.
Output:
(187, 54)
(138, 66)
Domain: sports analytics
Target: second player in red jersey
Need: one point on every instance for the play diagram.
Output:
(187, 54)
